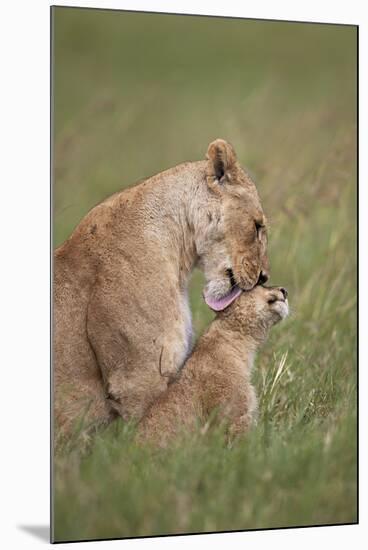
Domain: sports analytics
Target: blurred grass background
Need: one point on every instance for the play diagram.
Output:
(137, 93)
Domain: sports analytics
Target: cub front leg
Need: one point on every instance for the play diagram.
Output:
(243, 413)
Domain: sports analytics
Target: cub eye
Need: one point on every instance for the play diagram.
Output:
(272, 300)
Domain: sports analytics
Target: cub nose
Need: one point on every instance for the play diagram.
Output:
(263, 278)
(284, 292)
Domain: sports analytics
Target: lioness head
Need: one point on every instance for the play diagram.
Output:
(233, 256)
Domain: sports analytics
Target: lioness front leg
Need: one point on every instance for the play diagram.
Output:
(135, 369)
(130, 386)
(131, 394)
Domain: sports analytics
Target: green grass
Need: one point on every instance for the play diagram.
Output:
(135, 94)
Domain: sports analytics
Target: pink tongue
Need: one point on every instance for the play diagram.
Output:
(221, 303)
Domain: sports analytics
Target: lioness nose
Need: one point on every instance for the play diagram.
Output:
(263, 278)
(284, 292)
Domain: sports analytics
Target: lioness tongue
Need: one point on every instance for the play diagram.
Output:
(217, 304)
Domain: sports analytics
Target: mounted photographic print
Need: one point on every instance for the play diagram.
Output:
(204, 346)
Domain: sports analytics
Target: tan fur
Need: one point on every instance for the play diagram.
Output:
(217, 376)
(120, 283)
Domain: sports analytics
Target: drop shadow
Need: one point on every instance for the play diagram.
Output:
(41, 532)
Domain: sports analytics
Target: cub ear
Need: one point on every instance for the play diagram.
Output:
(222, 158)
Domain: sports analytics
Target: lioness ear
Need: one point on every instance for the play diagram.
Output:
(222, 157)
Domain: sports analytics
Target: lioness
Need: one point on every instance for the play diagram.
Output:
(216, 377)
(121, 278)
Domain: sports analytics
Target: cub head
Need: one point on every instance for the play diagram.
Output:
(257, 310)
(267, 304)
(234, 255)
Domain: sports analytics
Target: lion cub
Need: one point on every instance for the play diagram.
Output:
(216, 377)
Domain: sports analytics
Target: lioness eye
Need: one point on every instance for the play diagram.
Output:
(258, 227)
